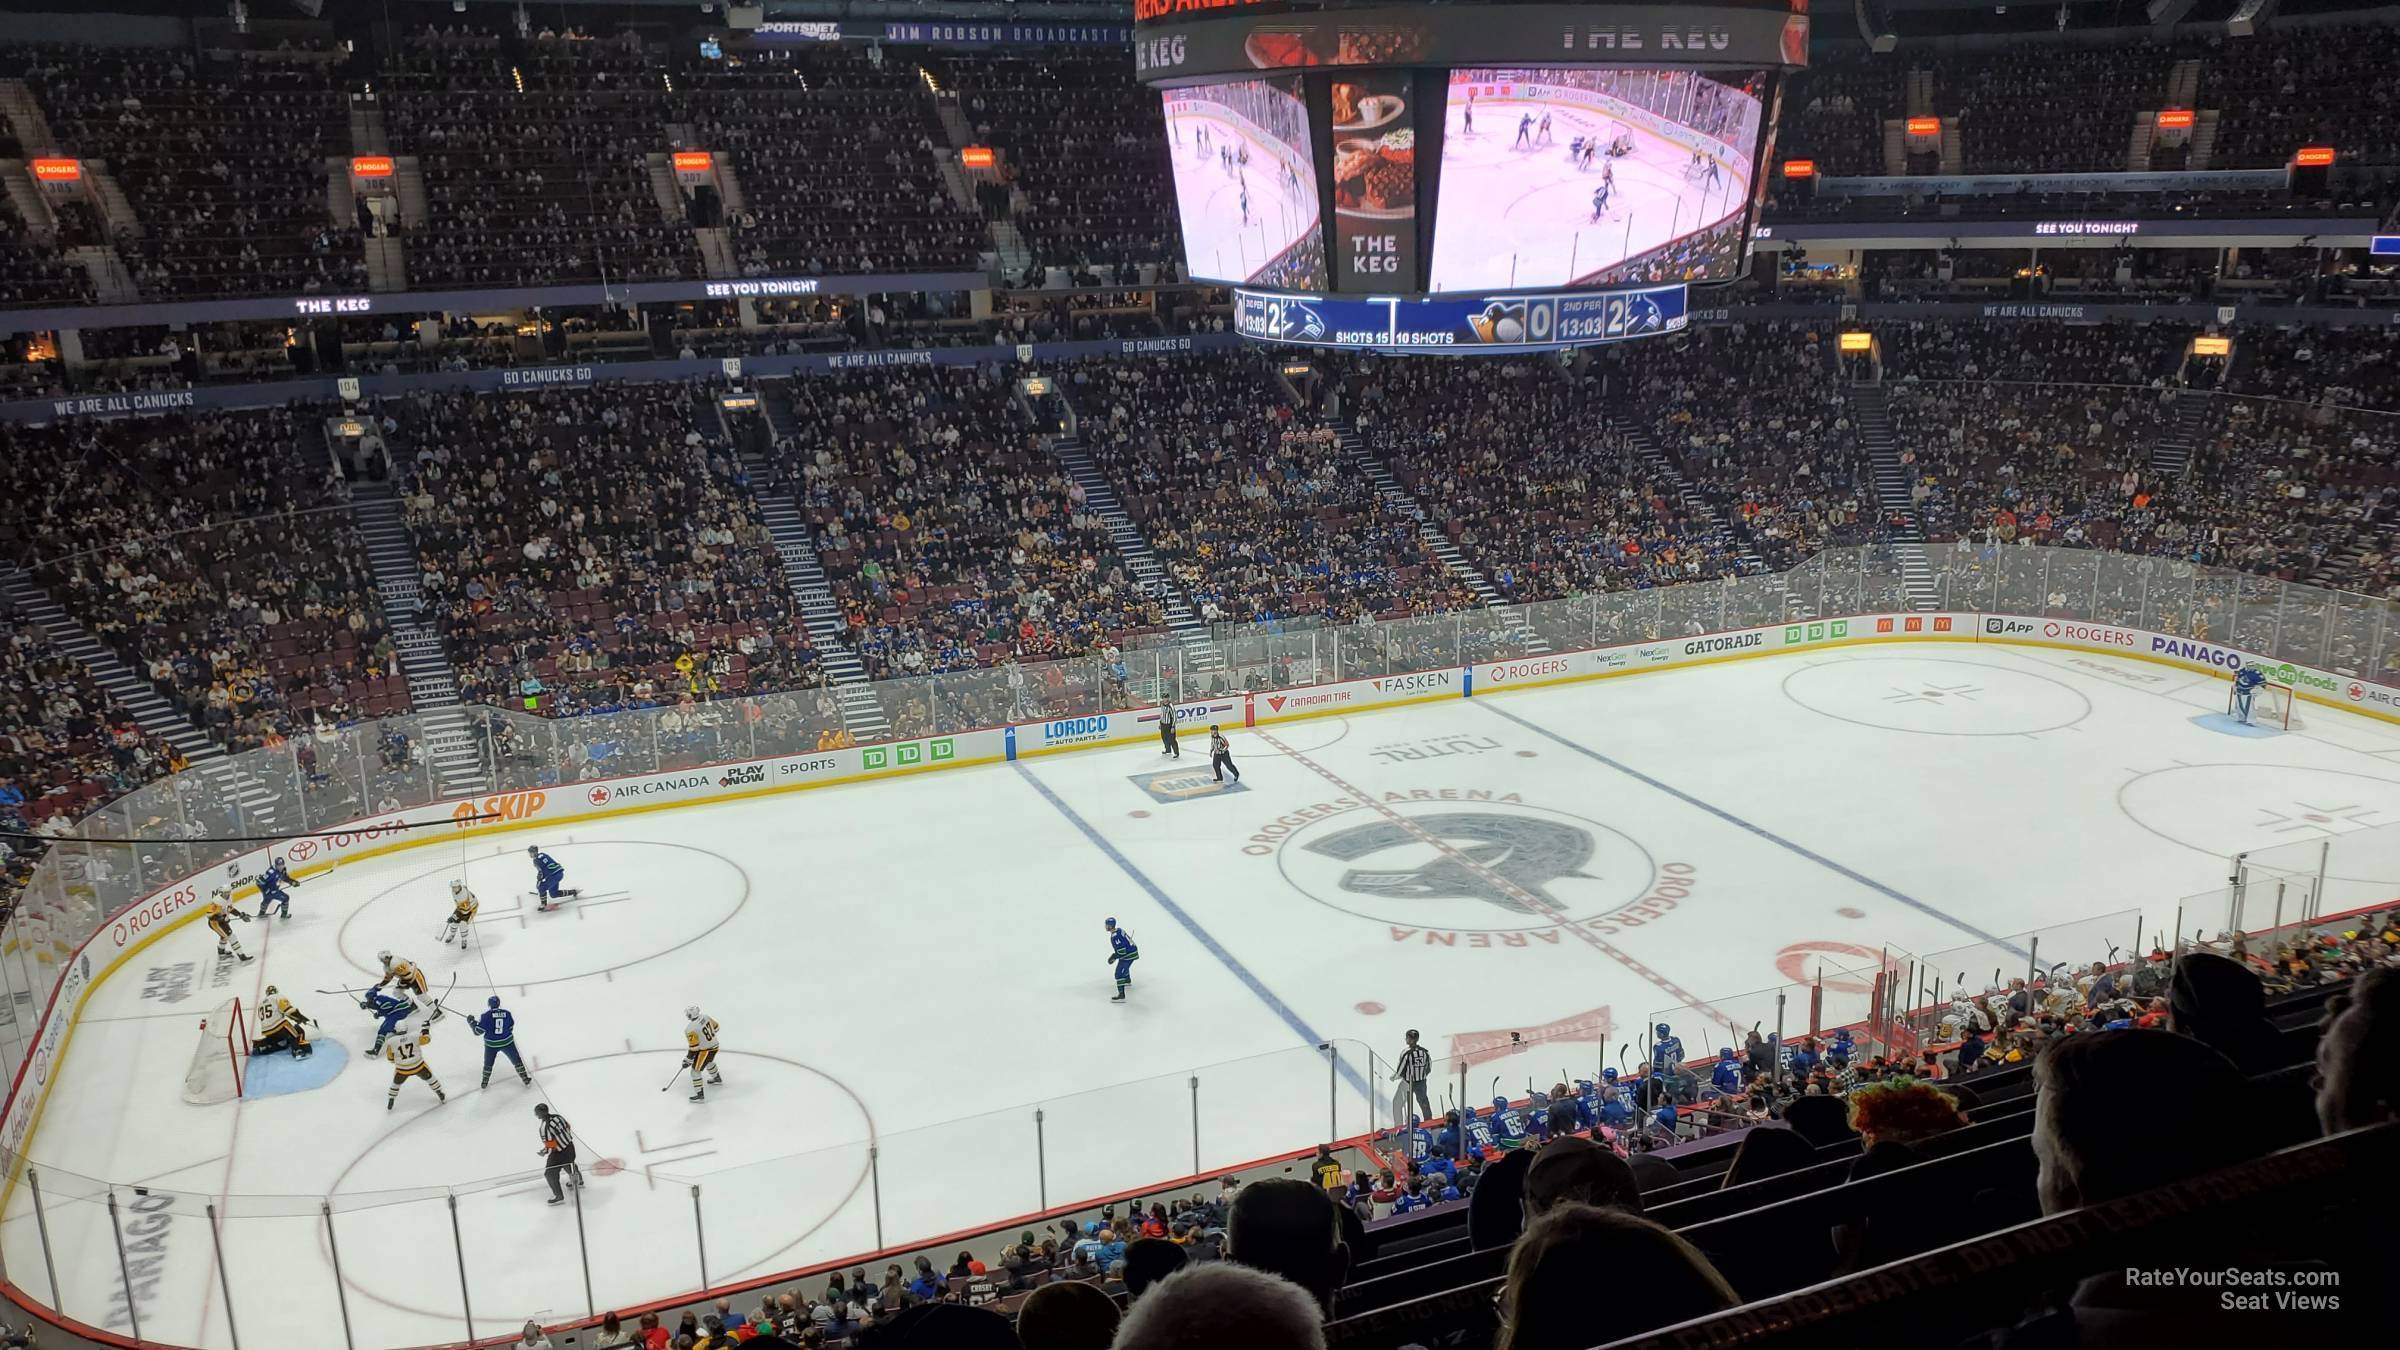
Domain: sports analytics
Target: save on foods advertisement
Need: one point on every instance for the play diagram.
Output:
(1374, 182)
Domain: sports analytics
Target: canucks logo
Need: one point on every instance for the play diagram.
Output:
(1641, 315)
(1498, 866)
(1290, 321)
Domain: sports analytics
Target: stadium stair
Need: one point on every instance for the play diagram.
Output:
(1874, 417)
(446, 728)
(862, 715)
(109, 200)
(133, 693)
(1392, 490)
(1148, 572)
(2171, 457)
(25, 119)
(1694, 505)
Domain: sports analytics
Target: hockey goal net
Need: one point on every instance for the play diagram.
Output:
(2271, 706)
(221, 1061)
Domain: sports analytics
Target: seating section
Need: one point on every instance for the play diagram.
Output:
(215, 555)
(2291, 87)
(1256, 510)
(1756, 418)
(2008, 462)
(836, 160)
(1085, 144)
(2049, 107)
(33, 273)
(597, 548)
(953, 538)
(1525, 473)
(536, 163)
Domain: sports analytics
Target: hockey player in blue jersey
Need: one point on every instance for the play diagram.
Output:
(1727, 1076)
(1844, 1047)
(1510, 1131)
(272, 889)
(1121, 954)
(547, 874)
(391, 1005)
(1481, 1142)
(2246, 685)
(1666, 1052)
(499, 1028)
(1616, 1112)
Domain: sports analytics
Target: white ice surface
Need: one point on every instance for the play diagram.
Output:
(921, 963)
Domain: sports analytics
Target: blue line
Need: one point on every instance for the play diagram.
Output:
(1199, 934)
(1761, 831)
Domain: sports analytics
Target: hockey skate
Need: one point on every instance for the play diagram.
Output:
(699, 1094)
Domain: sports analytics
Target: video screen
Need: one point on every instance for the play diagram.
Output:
(1582, 177)
(1374, 182)
(1246, 184)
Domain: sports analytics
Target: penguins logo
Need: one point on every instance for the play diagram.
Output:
(1503, 860)
(1499, 322)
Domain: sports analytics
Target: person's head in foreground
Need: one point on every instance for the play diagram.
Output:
(1223, 1306)
(2358, 1057)
(2098, 1132)
(1288, 1227)
(1574, 1250)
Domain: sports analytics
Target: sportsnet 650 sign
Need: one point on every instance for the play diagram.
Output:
(1463, 324)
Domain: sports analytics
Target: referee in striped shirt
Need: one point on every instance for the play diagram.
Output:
(558, 1152)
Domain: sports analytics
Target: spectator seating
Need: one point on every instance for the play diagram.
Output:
(536, 164)
(600, 547)
(835, 156)
(1254, 509)
(214, 555)
(224, 161)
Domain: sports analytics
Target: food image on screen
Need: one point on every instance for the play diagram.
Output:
(1374, 182)
(1245, 183)
(1598, 176)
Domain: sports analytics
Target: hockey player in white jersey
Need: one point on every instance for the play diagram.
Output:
(281, 1027)
(463, 905)
(700, 1036)
(402, 974)
(407, 1054)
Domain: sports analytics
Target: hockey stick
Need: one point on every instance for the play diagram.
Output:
(687, 1063)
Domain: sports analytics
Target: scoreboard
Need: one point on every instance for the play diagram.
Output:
(1345, 164)
(1481, 324)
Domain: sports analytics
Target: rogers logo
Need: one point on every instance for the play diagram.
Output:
(2079, 632)
(597, 796)
(1526, 670)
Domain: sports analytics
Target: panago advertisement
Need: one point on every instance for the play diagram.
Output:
(2317, 686)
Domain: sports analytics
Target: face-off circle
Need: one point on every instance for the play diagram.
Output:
(1466, 866)
(1933, 697)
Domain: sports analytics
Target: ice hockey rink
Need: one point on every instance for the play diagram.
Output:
(1520, 214)
(918, 966)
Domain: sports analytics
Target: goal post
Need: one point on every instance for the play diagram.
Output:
(221, 1058)
(2270, 705)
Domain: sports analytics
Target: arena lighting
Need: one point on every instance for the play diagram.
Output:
(692, 161)
(1857, 342)
(371, 166)
(58, 170)
(1924, 126)
(2175, 117)
(1799, 168)
(2212, 346)
(2313, 156)
(976, 156)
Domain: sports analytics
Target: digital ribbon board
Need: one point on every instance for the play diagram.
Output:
(1466, 325)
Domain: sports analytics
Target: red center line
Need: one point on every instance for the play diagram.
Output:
(1539, 902)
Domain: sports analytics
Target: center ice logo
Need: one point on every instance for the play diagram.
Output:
(1448, 866)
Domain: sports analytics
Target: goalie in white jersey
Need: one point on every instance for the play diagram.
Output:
(281, 1027)
(407, 1054)
(700, 1035)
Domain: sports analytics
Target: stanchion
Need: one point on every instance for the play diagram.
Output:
(1333, 1095)
(1195, 1124)
(41, 1221)
(875, 1178)
(216, 1242)
(700, 1232)
(458, 1244)
(1779, 998)
(2033, 961)
(583, 1249)
(341, 1290)
(133, 1310)
(1041, 1161)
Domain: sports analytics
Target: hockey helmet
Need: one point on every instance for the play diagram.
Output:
(457, 886)
(1608, 1075)
(1499, 1103)
(492, 1002)
(1108, 923)
(1724, 1052)
(692, 1013)
(384, 956)
(270, 991)
(1664, 1031)
(532, 850)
